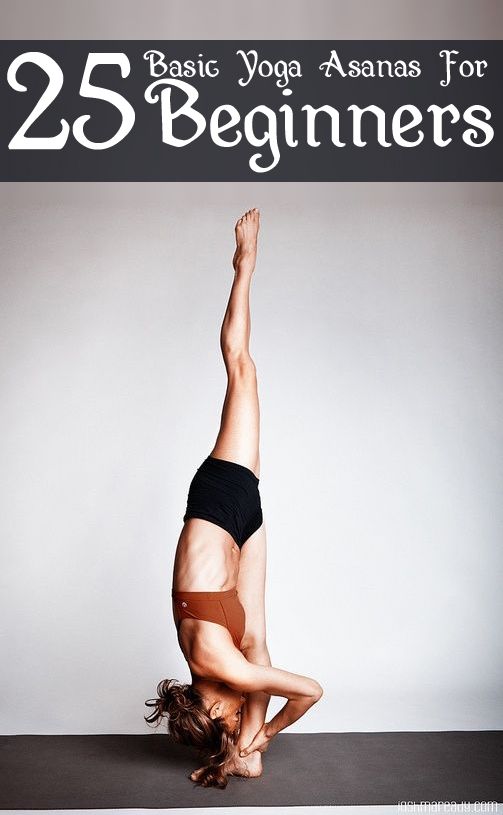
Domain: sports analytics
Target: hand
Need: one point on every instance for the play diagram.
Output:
(260, 742)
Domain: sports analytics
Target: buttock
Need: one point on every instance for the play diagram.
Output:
(227, 494)
(221, 607)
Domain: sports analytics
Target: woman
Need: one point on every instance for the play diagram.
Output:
(219, 576)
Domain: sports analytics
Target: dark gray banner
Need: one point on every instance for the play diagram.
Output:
(253, 110)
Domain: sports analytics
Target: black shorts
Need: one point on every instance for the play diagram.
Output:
(227, 494)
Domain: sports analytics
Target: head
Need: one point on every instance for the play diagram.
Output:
(205, 715)
(222, 702)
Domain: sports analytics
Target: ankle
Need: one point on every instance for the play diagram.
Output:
(244, 263)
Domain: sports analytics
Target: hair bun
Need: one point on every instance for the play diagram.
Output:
(173, 700)
(174, 697)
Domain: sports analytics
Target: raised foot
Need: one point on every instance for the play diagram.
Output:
(246, 241)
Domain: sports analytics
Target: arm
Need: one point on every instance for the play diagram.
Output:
(293, 710)
(289, 713)
(300, 691)
(240, 674)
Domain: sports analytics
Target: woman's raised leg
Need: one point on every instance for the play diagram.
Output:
(238, 437)
(238, 440)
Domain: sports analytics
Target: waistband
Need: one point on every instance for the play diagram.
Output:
(204, 595)
(225, 464)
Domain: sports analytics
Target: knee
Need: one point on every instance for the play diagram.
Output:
(239, 363)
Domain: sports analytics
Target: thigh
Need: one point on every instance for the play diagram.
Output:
(251, 586)
(238, 437)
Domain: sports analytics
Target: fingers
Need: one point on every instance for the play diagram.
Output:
(247, 750)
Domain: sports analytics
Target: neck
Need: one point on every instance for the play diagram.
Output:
(208, 688)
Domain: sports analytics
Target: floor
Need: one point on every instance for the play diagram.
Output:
(319, 771)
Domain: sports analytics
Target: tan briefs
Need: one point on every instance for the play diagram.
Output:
(222, 607)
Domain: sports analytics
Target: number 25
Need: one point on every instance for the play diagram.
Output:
(22, 142)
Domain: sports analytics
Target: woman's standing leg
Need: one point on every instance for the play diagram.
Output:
(238, 437)
(251, 590)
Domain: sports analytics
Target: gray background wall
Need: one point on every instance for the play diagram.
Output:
(377, 335)
(262, 19)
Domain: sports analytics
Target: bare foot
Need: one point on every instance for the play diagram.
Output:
(252, 765)
(246, 241)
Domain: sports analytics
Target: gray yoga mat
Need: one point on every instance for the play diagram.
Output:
(119, 771)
